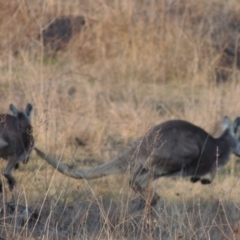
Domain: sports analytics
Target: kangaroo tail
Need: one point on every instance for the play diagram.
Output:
(115, 166)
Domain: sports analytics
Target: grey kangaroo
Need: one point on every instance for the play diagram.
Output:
(172, 148)
(16, 140)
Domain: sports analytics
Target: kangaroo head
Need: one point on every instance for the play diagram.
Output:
(234, 130)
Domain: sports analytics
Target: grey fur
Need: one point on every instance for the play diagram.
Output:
(16, 140)
(172, 148)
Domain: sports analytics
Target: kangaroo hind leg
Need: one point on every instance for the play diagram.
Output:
(140, 182)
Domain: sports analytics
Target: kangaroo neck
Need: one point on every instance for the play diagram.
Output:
(225, 143)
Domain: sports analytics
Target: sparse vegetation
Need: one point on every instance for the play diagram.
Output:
(133, 65)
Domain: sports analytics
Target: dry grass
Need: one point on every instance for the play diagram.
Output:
(135, 64)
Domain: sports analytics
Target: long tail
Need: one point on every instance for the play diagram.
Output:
(116, 166)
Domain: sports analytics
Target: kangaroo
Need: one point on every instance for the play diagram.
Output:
(16, 140)
(172, 148)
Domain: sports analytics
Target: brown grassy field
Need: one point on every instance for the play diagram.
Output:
(134, 64)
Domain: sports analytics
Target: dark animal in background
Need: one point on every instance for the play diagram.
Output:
(172, 148)
(16, 140)
(57, 35)
(226, 43)
(229, 61)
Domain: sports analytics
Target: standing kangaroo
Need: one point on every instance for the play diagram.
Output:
(16, 140)
(171, 148)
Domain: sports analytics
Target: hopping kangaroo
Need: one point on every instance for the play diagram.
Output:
(171, 148)
(16, 140)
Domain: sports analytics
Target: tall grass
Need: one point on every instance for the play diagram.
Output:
(135, 64)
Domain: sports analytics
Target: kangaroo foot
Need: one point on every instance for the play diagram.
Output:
(205, 181)
(194, 179)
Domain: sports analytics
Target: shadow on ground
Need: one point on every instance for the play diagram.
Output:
(108, 219)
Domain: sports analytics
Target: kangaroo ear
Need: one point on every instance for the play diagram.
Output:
(226, 124)
(14, 110)
(236, 126)
(28, 110)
